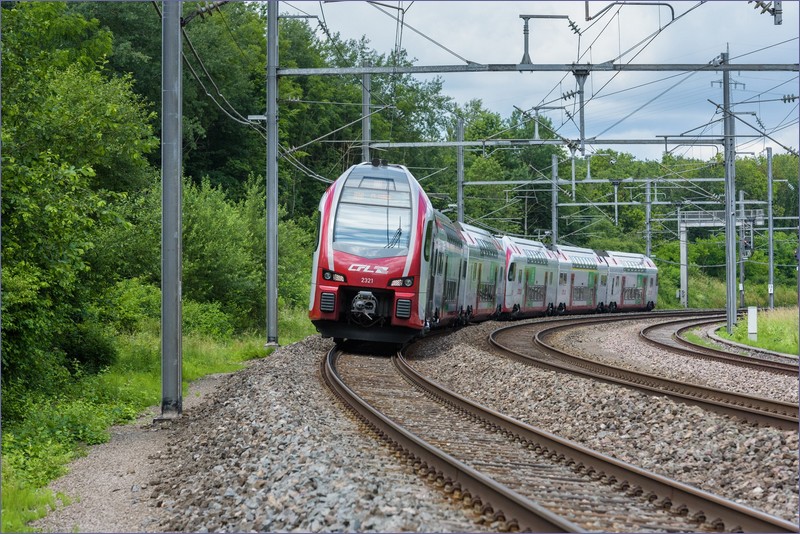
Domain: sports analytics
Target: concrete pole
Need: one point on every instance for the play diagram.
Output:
(684, 259)
(366, 124)
(272, 174)
(647, 217)
(730, 199)
(770, 237)
(554, 201)
(171, 228)
(742, 224)
(460, 169)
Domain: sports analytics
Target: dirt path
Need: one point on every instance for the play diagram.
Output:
(110, 487)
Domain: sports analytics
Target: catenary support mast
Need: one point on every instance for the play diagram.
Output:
(171, 245)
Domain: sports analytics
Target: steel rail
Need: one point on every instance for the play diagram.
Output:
(763, 411)
(720, 513)
(527, 513)
(682, 346)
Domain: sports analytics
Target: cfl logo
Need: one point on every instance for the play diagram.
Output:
(357, 267)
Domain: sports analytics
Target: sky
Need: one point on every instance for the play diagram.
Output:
(625, 105)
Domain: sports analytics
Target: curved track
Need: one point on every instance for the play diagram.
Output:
(515, 341)
(513, 475)
(667, 336)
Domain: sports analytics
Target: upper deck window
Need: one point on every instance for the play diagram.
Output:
(373, 218)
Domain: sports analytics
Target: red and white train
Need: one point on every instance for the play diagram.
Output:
(389, 267)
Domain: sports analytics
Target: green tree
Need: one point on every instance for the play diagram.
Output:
(49, 212)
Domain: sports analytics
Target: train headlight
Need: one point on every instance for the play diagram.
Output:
(330, 275)
(407, 281)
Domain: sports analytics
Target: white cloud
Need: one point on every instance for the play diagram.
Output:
(491, 32)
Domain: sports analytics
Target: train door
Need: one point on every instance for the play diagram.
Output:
(571, 288)
(591, 296)
(478, 286)
(622, 292)
(642, 288)
(602, 290)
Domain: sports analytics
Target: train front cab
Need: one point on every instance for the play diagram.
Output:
(366, 268)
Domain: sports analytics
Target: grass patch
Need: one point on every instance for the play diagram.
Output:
(51, 430)
(777, 331)
(693, 337)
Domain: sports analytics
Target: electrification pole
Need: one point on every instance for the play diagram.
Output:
(581, 75)
(171, 245)
(272, 174)
(742, 251)
(460, 169)
(366, 125)
(730, 199)
(647, 216)
(770, 229)
(554, 201)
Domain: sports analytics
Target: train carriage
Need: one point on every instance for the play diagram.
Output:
(444, 252)
(483, 290)
(632, 280)
(579, 278)
(531, 275)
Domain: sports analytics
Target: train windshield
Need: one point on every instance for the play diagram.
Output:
(373, 219)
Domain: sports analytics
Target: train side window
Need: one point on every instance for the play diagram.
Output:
(519, 277)
(562, 279)
(603, 280)
(511, 269)
(428, 240)
(463, 270)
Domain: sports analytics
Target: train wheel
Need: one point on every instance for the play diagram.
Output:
(562, 309)
(612, 307)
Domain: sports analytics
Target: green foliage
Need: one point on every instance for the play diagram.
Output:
(89, 346)
(48, 216)
(206, 319)
(217, 265)
(23, 502)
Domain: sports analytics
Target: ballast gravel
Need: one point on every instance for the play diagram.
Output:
(755, 466)
(271, 449)
(602, 344)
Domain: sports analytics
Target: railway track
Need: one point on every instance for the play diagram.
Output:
(514, 476)
(516, 342)
(667, 336)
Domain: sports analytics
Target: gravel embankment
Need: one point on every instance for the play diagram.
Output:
(752, 465)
